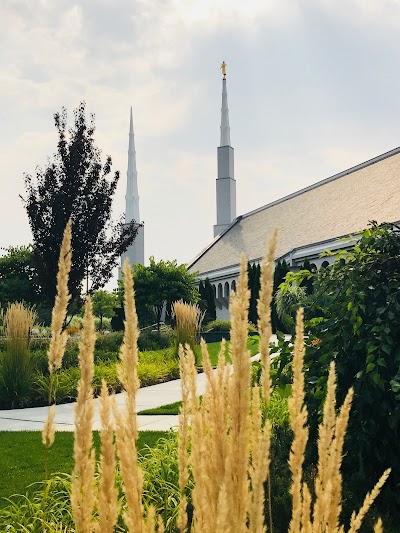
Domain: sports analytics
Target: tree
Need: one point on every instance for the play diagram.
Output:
(104, 303)
(353, 318)
(211, 312)
(207, 300)
(159, 285)
(254, 272)
(76, 185)
(19, 280)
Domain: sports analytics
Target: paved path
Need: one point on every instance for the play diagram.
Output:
(32, 419)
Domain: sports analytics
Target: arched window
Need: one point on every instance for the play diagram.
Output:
(226, 290)
(313, 267)
(215, 291)
(219, 290)
(325, 264)
(233, 286)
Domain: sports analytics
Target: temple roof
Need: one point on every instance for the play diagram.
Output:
(339, 205)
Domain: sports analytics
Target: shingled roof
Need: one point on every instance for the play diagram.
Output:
(336, 206)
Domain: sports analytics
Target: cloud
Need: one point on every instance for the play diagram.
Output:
(312, 90)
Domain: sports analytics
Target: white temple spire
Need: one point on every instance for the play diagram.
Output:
(225, 129)
(132, 195)
(135, 252)
(225, 183)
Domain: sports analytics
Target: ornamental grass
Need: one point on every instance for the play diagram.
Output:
(223, 439)
(188, 319)
(16, 370)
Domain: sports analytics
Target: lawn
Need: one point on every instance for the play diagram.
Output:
(22, 457)
(169, 409)
(213, 349)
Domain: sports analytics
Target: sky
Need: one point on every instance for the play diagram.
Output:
(313, 89)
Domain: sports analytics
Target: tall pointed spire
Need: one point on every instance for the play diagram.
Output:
(225, 129)
(226, 184)
(135, 252)
(132, 195)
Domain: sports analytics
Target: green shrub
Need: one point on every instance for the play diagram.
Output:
(280, 476)
(110, 342)
(105, 357)
(49, 509)
(354, 319)
(161, 480)
(287, 300)
(152, 340)
(150, 373)
(40, 361)
(64, 386)
(219, 325)
(70, 359)
(154, 367)
(38, 344)
(109, 374)
(277, 410)
(106, 326)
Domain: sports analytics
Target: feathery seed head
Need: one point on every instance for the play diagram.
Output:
(58, 337)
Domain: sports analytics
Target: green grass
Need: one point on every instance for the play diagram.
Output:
(213, 349)
(169, 409)
(22, 457)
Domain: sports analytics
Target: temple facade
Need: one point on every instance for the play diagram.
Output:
(328, 215)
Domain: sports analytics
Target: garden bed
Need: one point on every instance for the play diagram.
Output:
(155, 366)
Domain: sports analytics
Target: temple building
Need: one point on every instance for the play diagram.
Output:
(327, 215)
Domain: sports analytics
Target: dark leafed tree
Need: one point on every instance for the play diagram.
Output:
(210, 299)
(254, 272)
(76, 184)
(207, 300)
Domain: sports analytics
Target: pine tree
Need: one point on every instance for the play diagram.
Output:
(211, 313)
(254, 287)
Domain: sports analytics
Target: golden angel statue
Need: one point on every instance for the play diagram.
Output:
(223, 68)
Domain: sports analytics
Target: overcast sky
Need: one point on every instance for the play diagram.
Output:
(313, 88)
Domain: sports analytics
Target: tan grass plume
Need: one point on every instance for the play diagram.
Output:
(188, 318)
(59, 337)
(108, 507)
(298, 420)
(82, 483)
(324, 515)
(264, 312)
(126, 422)
(18, 322)
(49, 429)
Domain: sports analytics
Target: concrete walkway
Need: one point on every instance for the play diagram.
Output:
(32, 419)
